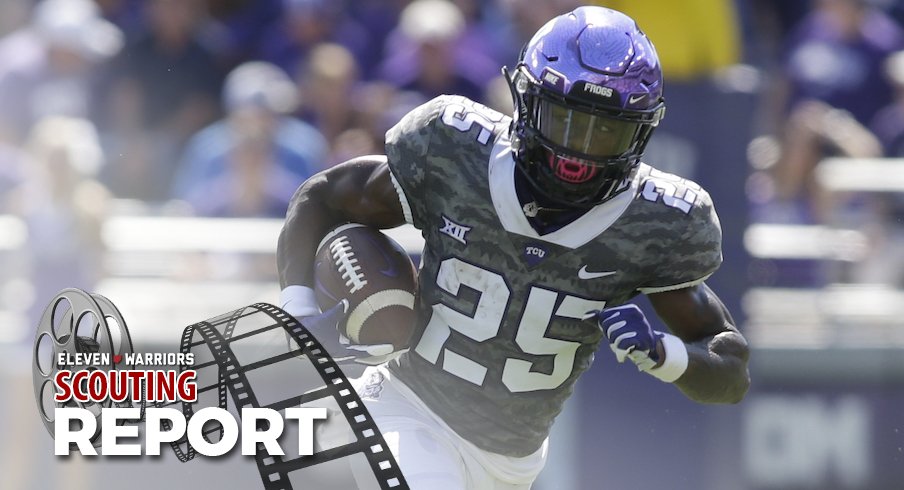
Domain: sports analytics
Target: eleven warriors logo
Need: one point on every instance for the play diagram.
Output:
(93, 391)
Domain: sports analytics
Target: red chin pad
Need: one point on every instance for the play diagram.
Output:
(571, 170)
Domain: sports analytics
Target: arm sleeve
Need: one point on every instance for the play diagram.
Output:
(694, 253)
(408, 154)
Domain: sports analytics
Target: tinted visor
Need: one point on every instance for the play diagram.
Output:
(586, 134)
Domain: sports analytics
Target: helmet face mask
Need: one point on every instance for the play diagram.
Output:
(581, 126)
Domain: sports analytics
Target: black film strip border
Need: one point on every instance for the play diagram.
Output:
(370, 441)
(273, 469)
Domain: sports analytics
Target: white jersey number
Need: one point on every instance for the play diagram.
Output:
(665, 187)
(462, 119)
(483, 322)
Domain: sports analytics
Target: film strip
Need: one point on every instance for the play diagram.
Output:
(246, 347)
(242, 355)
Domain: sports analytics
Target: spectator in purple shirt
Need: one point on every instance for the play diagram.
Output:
(307, 23)
(425, 54)
(836, 55)
(833, 84)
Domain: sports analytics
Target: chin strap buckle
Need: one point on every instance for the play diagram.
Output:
(531, 209)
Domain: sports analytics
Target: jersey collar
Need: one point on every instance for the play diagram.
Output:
(508, 208)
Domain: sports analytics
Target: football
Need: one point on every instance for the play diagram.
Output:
(374, 273)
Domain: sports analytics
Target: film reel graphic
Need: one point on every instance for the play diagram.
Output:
(243, 355)
(76, 322)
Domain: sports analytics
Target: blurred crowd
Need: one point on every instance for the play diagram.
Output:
(836, 89)
(221, 108)
(227, 105)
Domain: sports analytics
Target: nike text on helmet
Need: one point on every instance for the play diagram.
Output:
(588, 94)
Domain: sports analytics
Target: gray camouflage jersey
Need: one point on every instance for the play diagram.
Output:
(500, 339)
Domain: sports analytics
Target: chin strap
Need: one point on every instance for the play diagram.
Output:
(534, 209)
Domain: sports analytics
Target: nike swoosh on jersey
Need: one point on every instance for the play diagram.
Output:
(585, 274)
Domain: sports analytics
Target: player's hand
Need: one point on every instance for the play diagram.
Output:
(630, 336)
(324, 327)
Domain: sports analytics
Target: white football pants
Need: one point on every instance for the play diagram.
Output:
(431, 455)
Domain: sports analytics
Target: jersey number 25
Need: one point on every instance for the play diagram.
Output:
(486, 320)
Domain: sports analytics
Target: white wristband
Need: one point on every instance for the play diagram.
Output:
(298, 301)
(675, 363)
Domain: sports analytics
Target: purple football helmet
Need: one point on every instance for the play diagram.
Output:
(588, 94)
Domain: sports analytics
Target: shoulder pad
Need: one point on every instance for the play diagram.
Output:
(690, 235)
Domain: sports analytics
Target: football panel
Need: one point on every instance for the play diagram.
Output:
(393, 325)
(370, 321)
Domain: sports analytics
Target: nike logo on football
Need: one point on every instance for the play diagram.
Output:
(585, 274)
(636, 98)
(388, 270)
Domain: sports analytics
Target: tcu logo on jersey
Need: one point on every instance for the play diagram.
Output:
(534, 253)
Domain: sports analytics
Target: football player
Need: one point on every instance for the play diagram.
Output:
(539, 229)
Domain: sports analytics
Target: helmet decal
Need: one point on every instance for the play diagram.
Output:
(553, 79)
